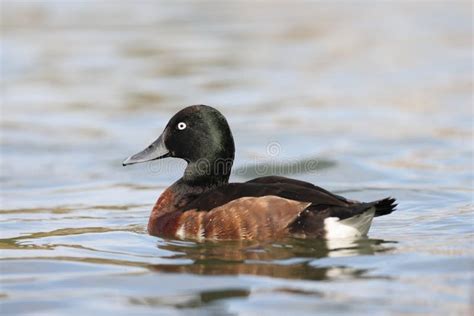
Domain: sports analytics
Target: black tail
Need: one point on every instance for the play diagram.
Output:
(385, 206)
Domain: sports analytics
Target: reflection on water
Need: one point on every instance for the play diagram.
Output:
(287, 259)
(191, 301)
(365, 100)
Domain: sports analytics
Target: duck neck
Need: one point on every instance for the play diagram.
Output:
(208, 172)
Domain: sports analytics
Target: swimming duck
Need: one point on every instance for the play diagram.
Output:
(204, 205)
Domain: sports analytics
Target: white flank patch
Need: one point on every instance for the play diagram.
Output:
(355, 226)
(180, 233)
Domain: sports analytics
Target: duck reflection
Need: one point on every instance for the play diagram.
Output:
(289, 259)
(193, 300)
(212, 298)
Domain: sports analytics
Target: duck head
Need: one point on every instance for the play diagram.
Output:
(201, 136)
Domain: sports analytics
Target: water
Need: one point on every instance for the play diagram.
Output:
(368, 100)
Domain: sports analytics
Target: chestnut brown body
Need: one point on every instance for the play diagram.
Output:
(264, 209)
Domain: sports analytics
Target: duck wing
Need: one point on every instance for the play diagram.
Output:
(319, 200)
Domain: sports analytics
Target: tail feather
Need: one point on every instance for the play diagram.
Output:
(324, 221)
(385, 206)
(358, 224)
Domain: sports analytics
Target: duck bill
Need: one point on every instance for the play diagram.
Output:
(155, 151)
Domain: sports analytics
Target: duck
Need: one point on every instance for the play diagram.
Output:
(203, 205)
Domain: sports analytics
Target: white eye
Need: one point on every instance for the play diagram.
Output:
(181, 126)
